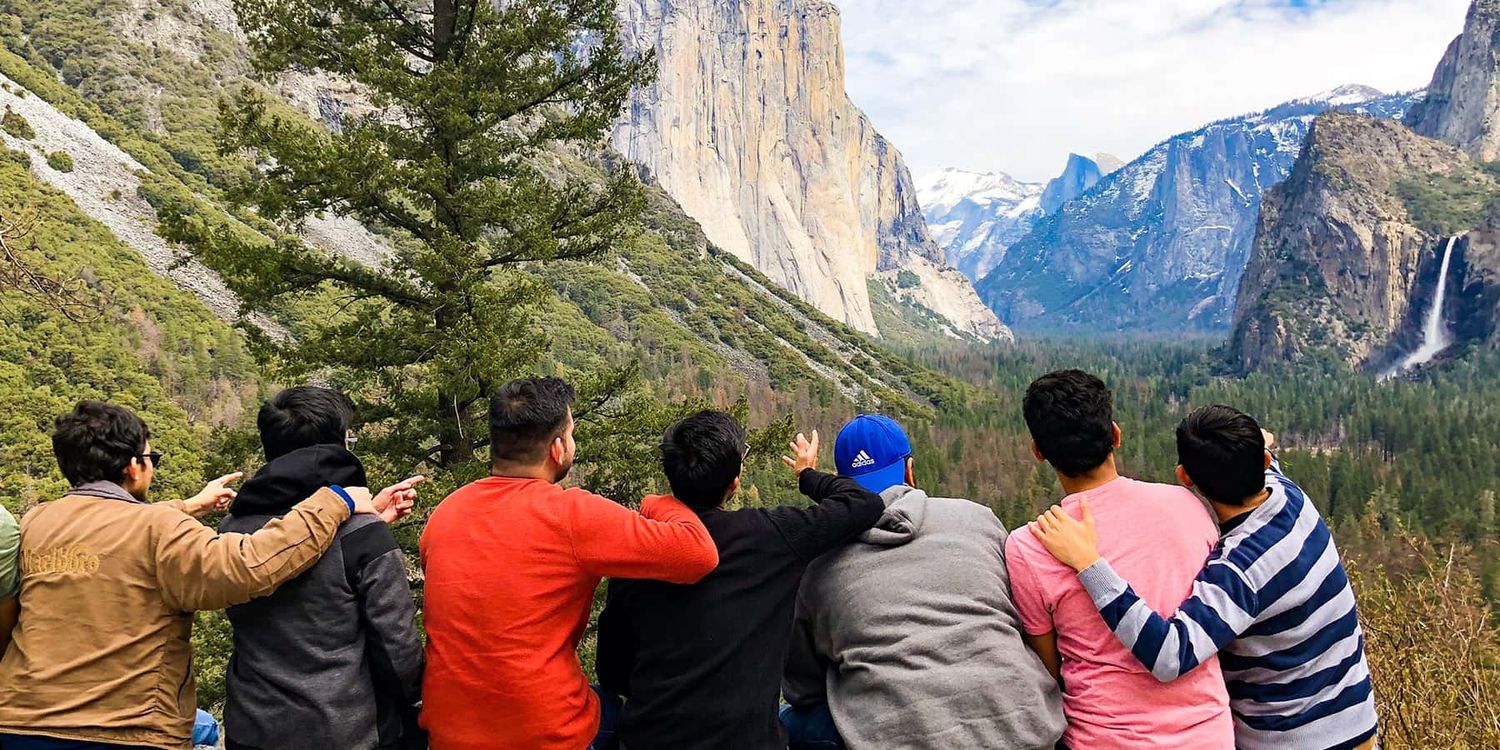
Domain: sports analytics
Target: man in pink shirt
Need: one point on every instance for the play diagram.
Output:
(1161, 533)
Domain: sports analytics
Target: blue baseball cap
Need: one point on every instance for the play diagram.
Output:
(872, 450)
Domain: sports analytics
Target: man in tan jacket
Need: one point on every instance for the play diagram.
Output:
(102, 654)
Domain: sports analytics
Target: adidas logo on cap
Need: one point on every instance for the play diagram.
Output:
(861, 461)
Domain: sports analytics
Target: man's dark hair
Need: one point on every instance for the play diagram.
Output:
(525, 416)
(304, 416)
(1223, 451)
(701, 456)
(1071, 417)
(96, 441)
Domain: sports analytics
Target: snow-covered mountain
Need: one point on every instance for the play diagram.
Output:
(975, 216)
(1160, 244)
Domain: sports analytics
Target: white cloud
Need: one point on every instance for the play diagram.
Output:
(1014, 85)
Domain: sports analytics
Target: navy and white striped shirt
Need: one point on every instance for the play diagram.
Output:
(1275, 599)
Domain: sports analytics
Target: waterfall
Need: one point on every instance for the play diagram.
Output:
(1434, 334)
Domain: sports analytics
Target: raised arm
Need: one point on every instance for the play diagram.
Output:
(199, 569)
(843, 508)
(1222, 606)
(665, 541)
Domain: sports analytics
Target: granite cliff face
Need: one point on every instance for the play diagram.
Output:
(1464, 97)
(1341, 265)
(1159, 245)
(748, 126)
(1079, 175)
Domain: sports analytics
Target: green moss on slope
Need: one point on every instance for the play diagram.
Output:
(155, 349)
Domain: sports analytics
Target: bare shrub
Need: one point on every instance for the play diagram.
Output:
(1434, 652)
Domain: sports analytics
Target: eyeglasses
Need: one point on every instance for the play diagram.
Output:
(155, 456)
(746, 455)
(350, 440)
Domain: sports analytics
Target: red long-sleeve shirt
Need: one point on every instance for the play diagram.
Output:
(511, 566)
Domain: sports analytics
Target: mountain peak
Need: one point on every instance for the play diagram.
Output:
(1078, 175)
(1460, 104)
(946, 188)
(1349, 93)
(1108, 162)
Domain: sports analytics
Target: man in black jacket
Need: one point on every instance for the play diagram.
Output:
(699, 666)
(332, 659)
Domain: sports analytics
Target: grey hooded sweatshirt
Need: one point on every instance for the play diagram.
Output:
(909, 635)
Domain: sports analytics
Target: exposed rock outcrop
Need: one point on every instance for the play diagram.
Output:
(1474, 314)
(104, 182)
(1079, 175)
(934, 290)
(1463, 100)
(748, 126)
(1160, 244)
(1338, 256)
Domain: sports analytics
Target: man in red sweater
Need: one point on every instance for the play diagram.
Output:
(511, 564)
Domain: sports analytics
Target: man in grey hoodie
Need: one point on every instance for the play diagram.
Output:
(908, 637)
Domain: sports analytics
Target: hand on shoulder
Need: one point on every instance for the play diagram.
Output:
(1074, 542)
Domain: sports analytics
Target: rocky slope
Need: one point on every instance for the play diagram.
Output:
(1464, 95)
(748, 126)
(1343, 264)
(1159, 245)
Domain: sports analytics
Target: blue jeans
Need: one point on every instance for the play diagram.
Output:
(205, 728)
(610, 706)
(810, 728)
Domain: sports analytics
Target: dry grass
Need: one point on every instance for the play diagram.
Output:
(1434, 652)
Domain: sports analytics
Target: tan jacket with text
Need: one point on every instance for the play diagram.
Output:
(103, 649)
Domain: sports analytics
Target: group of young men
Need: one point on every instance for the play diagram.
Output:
(875, 617)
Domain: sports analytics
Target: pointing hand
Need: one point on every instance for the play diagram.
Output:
(395, 502)
(215, 495)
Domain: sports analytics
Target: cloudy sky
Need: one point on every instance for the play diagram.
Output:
(1014, 85)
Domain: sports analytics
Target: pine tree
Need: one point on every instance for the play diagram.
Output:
(1486, 514)
(480, 113)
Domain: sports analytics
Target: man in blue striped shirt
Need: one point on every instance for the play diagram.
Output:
(1273, 597)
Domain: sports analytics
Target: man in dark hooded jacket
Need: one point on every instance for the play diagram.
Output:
(332, 659)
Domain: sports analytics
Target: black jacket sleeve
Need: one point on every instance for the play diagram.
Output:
(376, 568)
(615, 656)
(843, 511)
